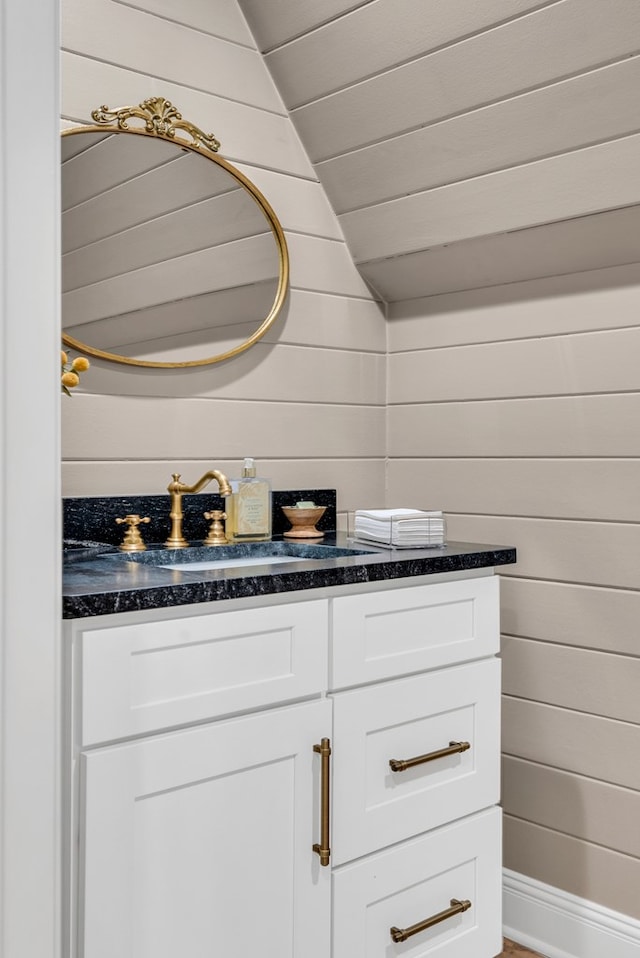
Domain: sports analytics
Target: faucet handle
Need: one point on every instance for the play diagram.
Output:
(132, 541)
(216, 535)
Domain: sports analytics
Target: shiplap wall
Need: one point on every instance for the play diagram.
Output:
(453, 139)
(484, 162)
(308, 400)
(516, 409)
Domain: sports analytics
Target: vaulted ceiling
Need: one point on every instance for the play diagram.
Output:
(465, 143)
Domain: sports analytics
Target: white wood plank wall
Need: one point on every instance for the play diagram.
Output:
(483, 161)
(515, 409)
(453, 138)
(309, 400)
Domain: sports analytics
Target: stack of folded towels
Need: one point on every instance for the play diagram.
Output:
(402, 528)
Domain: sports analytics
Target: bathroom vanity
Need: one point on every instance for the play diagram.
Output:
(292, 761)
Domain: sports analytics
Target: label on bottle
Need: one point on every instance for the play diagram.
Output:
(252, 509)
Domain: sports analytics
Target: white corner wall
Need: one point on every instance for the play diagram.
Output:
(29, 483)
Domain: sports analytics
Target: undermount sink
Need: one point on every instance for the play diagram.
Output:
(245, 555)
(201, 566)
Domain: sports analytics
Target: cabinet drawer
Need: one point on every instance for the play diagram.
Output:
(375, 806)
(403, 886)
(155, 675)
(385, 634)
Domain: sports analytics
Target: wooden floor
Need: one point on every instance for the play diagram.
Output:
(511, 950)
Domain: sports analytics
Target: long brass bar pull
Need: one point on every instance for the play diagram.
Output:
(402, 764)
(323, 849)
(457, 907)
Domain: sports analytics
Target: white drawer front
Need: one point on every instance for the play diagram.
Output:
(374, 806)
(140, 678)
(384, 634)
(414, 881)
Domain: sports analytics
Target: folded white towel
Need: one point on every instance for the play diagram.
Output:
(387, 514)
(400, 527)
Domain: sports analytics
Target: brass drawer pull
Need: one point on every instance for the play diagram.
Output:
(323, 849)
(457, 907)
(402, 764)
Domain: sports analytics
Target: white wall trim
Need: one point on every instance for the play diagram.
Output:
(560, 925)
(30, 627)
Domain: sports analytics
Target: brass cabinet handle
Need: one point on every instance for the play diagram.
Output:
(457, 907)
(402, 764)
(323, 849)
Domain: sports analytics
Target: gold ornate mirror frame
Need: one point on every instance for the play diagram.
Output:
(162, 120)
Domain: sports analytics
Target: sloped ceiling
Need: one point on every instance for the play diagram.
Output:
(465, 143)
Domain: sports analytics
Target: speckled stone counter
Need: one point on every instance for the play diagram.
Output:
(99, 580)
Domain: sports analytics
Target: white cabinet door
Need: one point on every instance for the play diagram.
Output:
(199, 843)
(410, 884)
(414, 721)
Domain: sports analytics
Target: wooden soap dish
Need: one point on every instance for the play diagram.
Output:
(303, 522)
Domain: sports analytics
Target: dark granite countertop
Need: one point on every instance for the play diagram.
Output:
(99, 580)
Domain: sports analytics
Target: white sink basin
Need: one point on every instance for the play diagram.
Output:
(246, 555)
(230, 563)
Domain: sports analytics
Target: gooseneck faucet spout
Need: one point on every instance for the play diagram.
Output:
(177, 489)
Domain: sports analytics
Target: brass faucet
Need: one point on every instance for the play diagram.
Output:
(176, 489)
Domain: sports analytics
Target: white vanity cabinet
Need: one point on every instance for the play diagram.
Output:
(196, 792)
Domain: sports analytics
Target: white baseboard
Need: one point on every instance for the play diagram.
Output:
(559, 925)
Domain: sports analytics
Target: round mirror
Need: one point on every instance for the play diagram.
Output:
(171, 257)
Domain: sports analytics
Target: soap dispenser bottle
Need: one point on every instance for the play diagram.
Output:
(249, 507)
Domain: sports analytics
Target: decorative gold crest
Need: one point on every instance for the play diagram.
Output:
(160, 118)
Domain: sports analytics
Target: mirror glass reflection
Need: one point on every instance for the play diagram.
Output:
(167, 256)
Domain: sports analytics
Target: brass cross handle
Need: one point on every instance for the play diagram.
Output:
(132, 541)
(216, 535)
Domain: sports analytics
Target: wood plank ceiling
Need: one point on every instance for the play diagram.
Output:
(465, 143)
